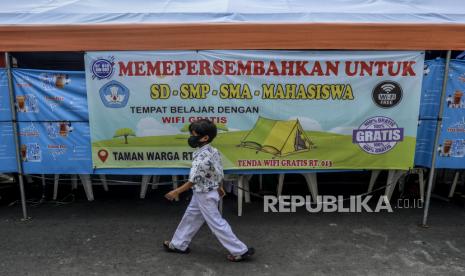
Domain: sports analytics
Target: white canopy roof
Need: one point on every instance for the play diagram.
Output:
(54, 12)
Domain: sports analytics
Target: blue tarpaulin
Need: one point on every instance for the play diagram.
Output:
(451, 150)
(5, 111)
(50, 95)
(425, 143)
(55, 147)
(7, 148)
(431, 89)
(7, 144)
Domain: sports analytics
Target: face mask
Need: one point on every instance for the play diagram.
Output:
(193, 141)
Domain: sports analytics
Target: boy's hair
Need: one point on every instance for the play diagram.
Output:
(204, 127)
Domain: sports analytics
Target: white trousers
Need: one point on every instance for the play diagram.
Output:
(204, 208)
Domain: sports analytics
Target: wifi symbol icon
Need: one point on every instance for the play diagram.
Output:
(387, 94)
(388, 87)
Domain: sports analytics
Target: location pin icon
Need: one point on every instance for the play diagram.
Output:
(102, 155)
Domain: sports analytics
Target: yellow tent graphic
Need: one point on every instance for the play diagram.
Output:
(277, 137)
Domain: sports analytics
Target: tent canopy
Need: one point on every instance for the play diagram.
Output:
(83, 25)
(195, 11)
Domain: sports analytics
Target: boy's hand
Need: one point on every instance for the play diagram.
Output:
(221, 192)
(172, 195)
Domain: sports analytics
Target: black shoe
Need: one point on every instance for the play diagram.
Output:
(245, 256)
(169, 248)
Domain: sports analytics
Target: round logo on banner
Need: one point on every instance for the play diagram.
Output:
(102, 68)
(378, 135)
(114, 94)
(387, 94)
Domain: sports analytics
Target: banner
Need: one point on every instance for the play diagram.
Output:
(431, 89)
(425, 143)
(7, 148)
(273, 109)
(7, 143)
(451, 149)
(5, 110)
(50, 95)
(55, 147)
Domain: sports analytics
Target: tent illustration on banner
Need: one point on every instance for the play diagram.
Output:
(277, 137)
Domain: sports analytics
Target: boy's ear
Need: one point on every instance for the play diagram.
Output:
(204, 139)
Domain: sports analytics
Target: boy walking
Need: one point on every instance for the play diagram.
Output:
(205, 177)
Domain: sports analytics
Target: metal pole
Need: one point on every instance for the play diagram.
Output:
(15, 134)
(436, 141)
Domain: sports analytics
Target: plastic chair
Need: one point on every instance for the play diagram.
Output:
(86, 183)
(156, 179)
(454, 184)
(393, 178)
(311, 180)
(243, 190)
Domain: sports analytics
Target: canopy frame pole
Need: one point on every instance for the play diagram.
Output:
(15, 134)
(436, 141)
